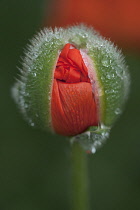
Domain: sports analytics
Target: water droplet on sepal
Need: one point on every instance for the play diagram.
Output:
(92, 139)
(118, 111)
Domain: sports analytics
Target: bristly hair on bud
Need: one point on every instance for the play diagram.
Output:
(107, 77)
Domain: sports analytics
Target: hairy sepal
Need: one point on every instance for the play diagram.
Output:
(33, 90)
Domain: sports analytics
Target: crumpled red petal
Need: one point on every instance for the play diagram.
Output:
(70, 66)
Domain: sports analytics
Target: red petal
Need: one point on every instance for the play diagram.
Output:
(73, 108)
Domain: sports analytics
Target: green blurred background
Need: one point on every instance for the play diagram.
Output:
(35, 166)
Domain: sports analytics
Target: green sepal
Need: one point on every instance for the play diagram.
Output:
(33, 90)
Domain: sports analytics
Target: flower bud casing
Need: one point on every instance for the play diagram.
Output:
(107, 71)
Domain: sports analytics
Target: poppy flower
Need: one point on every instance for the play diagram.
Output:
(73, 102)
(73, 82)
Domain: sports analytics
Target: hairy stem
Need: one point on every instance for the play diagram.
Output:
(79, 178)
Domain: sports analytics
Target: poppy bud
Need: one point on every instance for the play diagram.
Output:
(73, 82)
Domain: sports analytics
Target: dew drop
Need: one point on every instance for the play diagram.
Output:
(118, 111)
(108, 76)
(32, 124)
(105, 63)
(93, 150)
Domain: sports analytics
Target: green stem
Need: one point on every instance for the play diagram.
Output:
(79, 178)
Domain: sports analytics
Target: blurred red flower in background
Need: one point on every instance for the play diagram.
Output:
(118, 20)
